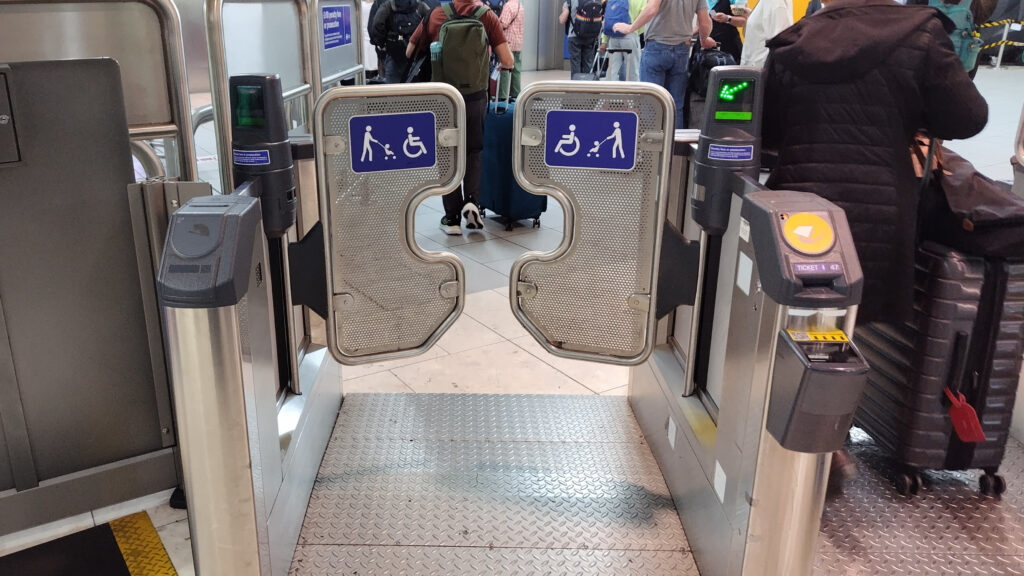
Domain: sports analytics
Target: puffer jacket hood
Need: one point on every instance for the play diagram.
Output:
(838, 33)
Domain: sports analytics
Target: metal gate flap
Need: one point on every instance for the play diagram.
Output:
(603, 151)
(381, 151)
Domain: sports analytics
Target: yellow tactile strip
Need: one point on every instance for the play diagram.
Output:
(140, 546)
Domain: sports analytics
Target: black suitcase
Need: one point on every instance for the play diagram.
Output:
(499, 191)
(967, 333)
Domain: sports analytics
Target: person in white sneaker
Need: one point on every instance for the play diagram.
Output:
(461, 204)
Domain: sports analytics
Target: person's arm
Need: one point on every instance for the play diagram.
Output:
(417, 37)
(646, 15)
(379, 26)
(564, 16)
(737, 21)
(704, 29)
(952, 106)
(508, 61)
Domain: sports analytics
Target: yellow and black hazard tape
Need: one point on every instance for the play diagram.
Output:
(140, 545)
(1000, 23)
(1002, 43)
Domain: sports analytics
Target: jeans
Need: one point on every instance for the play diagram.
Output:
(666, 66)
(582, 54)
(476, 113)
(395, 70)
(615, 59)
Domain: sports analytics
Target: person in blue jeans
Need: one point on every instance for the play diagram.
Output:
(667, 53)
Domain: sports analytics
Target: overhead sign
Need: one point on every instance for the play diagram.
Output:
(392, 142)
(591, 140)
(336, 25)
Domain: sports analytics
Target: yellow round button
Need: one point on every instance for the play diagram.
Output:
(808, 234)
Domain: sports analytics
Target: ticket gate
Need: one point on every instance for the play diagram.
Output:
(789, 276)
(771, 379)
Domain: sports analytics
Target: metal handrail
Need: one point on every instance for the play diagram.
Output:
(177, 80)
(201, 116)
(146, 156)
(219, 77)
(318, 81)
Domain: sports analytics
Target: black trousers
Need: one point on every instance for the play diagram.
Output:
(476, 113)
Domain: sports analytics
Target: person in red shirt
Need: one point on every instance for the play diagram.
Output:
(463, 203)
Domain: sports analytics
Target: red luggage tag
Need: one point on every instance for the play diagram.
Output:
(965, 419)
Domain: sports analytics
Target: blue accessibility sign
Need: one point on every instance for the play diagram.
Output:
(595, 140)
(336, 23)
(392, 142)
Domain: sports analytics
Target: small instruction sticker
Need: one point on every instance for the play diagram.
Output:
(828, 336)
(1015, 26)
(720, 482)
(671, 432)
(744, 272)
(251, 157)
(744, 230)
(730, 153)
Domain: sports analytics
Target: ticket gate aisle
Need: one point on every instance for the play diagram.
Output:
(738, 495)
(567, 480)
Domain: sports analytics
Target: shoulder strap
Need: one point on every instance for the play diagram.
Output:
(393, 4)
(480, 11)
(449, 13)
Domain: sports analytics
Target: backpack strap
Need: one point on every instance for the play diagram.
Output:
(480, 11)
(449, 13)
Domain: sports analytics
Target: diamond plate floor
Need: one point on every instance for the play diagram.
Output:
(489, 484)
(948, 528)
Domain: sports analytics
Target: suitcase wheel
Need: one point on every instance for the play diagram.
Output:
(908, 483)
(992, 484)
(536, 222)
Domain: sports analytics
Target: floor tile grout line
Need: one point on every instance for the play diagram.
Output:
(592, 391)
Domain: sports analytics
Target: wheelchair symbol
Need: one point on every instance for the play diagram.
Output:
(413, 142)
(566, 140)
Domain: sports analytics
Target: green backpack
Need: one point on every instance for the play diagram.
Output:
(966, 41)
(464, 62)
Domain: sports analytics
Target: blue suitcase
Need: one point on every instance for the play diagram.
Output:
(499, 191)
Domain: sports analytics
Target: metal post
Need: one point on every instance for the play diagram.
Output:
(1006, 34)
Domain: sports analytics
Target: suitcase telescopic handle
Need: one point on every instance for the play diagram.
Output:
(958, 366)
(497, 91)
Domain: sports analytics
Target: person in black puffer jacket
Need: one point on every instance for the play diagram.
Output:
(845, 92)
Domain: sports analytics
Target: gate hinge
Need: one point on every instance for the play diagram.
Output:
(450, 289)
(448, 137)
(531, 136)
(334, 145)
(652, 140)
(641, 302)
(343, 301)
(526, 289)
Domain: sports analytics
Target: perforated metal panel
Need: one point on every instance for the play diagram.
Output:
(593, 297)
(388, 298)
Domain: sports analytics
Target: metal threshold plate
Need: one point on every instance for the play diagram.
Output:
(948, 528)
(490, 484)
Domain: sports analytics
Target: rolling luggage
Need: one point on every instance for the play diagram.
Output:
(966, 337)
(499, 191)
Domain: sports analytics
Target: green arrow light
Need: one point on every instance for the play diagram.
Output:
(728, 92)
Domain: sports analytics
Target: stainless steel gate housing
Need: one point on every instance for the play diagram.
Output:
(593, 297)
(387, 297)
